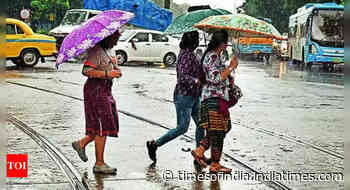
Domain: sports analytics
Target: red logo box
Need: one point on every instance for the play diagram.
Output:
(17, 165)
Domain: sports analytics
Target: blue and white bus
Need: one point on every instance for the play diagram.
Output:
(316, 35)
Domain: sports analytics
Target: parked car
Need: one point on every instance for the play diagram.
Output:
(24, 47)
(147, 46)
(73, 19)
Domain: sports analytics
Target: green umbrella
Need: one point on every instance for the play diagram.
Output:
(185, 22)
(239, 25)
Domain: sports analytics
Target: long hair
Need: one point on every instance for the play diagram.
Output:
(189, 40)
(105, 43)
(217, 39)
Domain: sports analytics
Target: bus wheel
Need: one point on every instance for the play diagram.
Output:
(331, 67)
(325, 67)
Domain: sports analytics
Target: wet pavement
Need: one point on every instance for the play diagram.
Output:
(278, 100)
(43, 173)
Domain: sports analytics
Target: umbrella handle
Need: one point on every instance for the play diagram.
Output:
(235, 48)
(237, 51)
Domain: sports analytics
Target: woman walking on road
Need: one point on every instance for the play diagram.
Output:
(186, 94)
(214, 113)
(100, 107)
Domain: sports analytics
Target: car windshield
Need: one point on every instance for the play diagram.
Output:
(74, 18)
(327, 27)
(126, 35)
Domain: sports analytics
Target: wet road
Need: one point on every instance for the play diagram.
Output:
(279, 101)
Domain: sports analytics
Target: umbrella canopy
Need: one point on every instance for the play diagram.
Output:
(91, 32)
(185, 22)
(239, 25)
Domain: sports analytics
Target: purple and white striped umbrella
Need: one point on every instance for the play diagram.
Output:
(91, 32)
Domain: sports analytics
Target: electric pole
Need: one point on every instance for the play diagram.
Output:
(167, 4)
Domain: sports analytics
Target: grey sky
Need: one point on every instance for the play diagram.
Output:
(229, 5)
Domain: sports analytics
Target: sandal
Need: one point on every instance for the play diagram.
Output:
(199, 158)
(105, 169)
(81, 151)
(217, 168)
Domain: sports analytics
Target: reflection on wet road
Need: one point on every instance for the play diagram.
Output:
(278, 99)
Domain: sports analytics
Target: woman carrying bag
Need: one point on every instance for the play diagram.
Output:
(214, 112)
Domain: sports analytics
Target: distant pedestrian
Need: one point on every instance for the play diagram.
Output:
(101, 116)
(214, 113)
(186, 94)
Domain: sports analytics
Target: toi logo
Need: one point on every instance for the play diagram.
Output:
(17, 165)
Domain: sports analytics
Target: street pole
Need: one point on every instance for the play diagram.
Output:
(167, 4)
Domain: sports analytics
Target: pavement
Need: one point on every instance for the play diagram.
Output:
(273, 101)
(61, 120)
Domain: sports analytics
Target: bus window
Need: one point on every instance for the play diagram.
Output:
(327, 27)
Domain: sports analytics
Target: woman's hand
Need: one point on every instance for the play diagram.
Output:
(115, 73)
(114, 60)
(232, 82)
(233, 65)
(234, 62)
(198, 82)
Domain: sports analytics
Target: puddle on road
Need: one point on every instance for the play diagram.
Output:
(41, 68)
(287, 71)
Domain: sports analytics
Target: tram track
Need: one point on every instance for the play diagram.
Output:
(76, 181)
(293, 139)
(273, 184)
(259, 130)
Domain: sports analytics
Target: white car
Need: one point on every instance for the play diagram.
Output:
(72, 20)
(146, 46)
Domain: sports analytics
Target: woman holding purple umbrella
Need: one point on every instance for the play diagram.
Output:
(100, 107)
(96, 37)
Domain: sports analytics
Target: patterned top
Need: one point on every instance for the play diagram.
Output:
(214, 87)
(188, 70)
(99, 59)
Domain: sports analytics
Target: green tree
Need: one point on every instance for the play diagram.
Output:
(272, 9)
(76, 4)
(15, 7)
(277, 10)
(42, 9)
